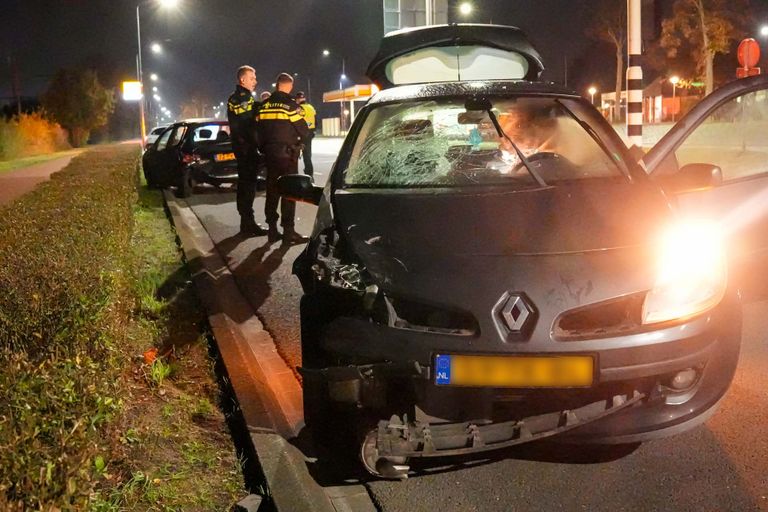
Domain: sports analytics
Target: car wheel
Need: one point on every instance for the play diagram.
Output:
(187, 186)
(149, 177)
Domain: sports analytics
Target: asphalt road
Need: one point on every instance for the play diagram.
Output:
(14, 184)
(720, 466)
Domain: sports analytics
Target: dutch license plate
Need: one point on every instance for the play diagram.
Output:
(223, 157)
(514, 371)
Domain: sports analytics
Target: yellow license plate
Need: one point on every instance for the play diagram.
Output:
(223, 157)
(514, 371)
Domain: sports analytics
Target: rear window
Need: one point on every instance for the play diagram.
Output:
(439, 143)
(211, 133)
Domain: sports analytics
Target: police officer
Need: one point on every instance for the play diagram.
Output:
(281, 130)
(309, 114)
(242, 109)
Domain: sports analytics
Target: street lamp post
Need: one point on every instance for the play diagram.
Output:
(592, 90)
(674, 80)
(140, 72)
(342, 78)
(142, 122)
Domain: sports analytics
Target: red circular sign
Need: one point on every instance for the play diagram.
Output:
(749, 53)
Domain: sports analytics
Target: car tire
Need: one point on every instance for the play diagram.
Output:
(187, 184)
(149, 177)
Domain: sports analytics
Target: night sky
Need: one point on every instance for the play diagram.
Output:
(206, 40)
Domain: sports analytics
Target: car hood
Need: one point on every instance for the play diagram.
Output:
(563, 247)
(555, 220)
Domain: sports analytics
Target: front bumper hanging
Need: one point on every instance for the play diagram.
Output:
(401, 438)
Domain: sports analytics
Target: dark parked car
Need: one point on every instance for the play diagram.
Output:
(490, 266)
(191, 152)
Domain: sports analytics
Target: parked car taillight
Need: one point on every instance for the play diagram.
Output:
(188, 158)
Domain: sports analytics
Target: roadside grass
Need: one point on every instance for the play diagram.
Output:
(20, 163)
(172, 449)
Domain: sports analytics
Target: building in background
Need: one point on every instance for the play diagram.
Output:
(414, 13)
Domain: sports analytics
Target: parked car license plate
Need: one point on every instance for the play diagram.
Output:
(223, 157)
(514, 371)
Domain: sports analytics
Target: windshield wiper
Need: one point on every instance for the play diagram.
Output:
(536, 176)
(589, 129)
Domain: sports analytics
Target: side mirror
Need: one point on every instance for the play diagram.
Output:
(299, 187)
(693, 177)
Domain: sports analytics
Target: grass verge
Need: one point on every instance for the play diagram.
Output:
(108, 390)
(172, 449)
(20, 163)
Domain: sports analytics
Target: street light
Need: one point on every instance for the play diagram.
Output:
(342, 78)
(166, 4)
(674, 80)
(592, 90)
(156, 48)
(154, 77)
(764, 31)
(465, 9)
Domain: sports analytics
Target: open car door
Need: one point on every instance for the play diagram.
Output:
(728, 130)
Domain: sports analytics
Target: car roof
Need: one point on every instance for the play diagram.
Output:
(473, 88)
(203, 120)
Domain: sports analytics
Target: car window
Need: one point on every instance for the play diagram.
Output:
(439, 143)
(211, 133)
(162, 142)
(733, 137)
(157, 131)
(178, 136)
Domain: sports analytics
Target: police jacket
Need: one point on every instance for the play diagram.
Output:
(242, 109)
(280, 123)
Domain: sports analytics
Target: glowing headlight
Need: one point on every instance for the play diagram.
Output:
(691, 275)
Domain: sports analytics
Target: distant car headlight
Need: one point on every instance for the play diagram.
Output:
(691, 274)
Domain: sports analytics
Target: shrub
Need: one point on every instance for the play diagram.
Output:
(65, 274)
(29, 135)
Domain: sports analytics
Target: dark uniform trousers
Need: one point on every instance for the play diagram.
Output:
(306, 153)
(280, 160)
(247, 174)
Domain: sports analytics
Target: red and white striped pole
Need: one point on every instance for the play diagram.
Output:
(634, 73)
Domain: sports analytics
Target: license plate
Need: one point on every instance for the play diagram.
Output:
(223, 157)
(514, 371)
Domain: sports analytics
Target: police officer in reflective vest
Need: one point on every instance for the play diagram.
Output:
(281, 130)
(309, 114)
(242, 109)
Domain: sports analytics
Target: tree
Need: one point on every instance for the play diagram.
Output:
(706, 27)
(77, 100)
(610, 26)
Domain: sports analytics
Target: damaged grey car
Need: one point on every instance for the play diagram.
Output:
(490, 266)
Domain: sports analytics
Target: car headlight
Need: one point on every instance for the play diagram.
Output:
(692, 274)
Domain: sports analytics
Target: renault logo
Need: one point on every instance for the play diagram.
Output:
(514, 316)
(515, 313)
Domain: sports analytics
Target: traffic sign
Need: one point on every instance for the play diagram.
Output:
(749, 53)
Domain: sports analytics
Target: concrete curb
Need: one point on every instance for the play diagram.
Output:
(266, 389)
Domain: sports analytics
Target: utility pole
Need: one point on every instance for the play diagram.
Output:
(634, 73)
(15, 85)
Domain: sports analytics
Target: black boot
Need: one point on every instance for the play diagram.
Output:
(290, 236)
(248, 227)
(273, 235)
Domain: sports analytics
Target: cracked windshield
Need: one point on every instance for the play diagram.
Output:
(440, 143)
